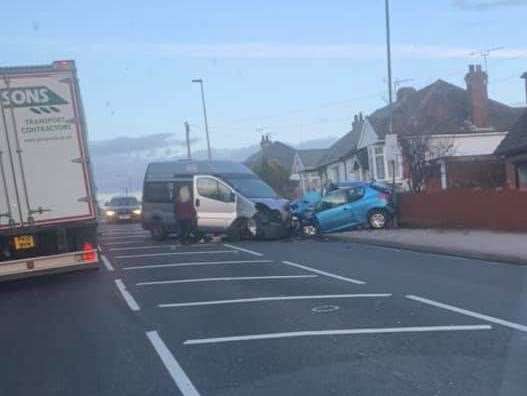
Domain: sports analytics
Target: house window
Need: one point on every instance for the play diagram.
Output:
(379, 162)
(391, 165)
(354, 170)
(336, 174)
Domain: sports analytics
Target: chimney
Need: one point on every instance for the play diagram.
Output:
(355, 122)
(265, 142)
(477, 80)
(524, 76)
(358, 120)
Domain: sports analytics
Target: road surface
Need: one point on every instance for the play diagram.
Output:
(266, 318)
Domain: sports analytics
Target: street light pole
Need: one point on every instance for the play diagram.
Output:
(388, 50)
(200, 81)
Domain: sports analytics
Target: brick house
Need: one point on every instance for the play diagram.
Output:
(467, 119)
(514, 149)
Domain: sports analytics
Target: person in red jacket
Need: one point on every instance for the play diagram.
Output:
(185, 214)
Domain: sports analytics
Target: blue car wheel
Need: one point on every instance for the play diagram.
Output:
(377, 219)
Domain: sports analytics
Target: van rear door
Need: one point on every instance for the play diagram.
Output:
(215, 203)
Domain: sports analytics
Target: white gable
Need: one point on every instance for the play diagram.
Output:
(298, 166)
(368, 135)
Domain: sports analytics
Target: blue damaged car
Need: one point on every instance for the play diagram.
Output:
(350, 206)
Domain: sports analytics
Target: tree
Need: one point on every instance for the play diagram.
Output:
(271, 172)
(418, 153)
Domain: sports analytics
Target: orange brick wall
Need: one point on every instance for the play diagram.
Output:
(461, 208)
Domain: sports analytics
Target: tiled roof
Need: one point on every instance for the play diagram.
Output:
(516, 140)
(342, 147)
(277, 151)
(440, 107)
(311, 157)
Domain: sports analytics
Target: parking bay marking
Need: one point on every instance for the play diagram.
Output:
(127, 296)
(328, 274)
(172, 247)
(122, 234)
(107, 263)
(125, 238)
(226, 278)
(473, 314)
(243, 250)
(196, 263)
(121, 243)
(175, 370)
(176, 253)
(387, 330)
(278, 298)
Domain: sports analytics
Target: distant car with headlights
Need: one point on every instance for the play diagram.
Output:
(122, 209)
(350, 206)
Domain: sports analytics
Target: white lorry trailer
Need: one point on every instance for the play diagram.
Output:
(47, 206)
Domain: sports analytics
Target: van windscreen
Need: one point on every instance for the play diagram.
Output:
(251, 186)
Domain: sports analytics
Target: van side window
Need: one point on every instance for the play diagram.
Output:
(208, 188)
(211, 188)
(161, 192)
(224, 193)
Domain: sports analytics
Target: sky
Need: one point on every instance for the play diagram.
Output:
(295, 69)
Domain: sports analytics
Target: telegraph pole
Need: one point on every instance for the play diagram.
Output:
(200, 82)
(187, 139)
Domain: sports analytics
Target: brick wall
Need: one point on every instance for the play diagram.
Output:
(478, 209)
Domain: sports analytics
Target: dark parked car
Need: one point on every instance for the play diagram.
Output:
(122, 209)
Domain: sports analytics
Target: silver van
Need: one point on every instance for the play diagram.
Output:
(227, 196)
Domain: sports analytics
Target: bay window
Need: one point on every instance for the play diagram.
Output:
(379, 162)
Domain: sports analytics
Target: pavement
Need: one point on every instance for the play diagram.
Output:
(506, 247)
(306, 317)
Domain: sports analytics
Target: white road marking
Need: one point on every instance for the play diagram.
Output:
(196, 263)
(143, 247)
(473, 314)
(176, 253)
(243, 250)
(386, 330)
(225, 278)
(122, 243)
(115, 234)
(107, 263)
(177, 373)
(172, 247)
(127, 296)
(329, 274)
(279, 298)
(126, 238)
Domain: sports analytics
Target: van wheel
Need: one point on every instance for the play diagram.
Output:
(158, 232)
(237, 231)
(377, 219)
(254, 228)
